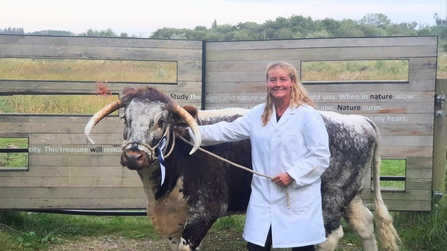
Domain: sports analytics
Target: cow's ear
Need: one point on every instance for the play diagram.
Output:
(178, 121)
(192, 110)
(128, 90)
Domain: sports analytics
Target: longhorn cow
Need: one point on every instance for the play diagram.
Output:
(190, 191)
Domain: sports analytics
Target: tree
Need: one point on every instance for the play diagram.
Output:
(53, 33)
(301, 25)
(13, 30)
(377, 20)
(214, 25)
(283, 33)
(348, 28)
(96, 33)
(331, 26)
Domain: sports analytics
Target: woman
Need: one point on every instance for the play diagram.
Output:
(290, 143)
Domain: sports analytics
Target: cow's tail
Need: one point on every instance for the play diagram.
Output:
(384, 222)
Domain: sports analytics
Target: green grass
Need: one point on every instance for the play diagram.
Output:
(393, 167)
(88, 70)
(12, 160)
(54, 104)
(354, 70)
(35, 231)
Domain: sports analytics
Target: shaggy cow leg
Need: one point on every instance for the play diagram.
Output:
(174, 243)
(361, 220)
(331, 241)
(195, 230)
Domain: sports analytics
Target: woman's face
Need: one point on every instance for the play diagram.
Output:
(280, 84)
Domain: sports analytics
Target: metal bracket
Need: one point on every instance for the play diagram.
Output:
(439, 102)
(437, 195)
(440, 99)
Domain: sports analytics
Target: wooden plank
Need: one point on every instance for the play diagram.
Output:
(77, 150)
(419, 163)
(60, 128)
(13, 134)
(318, 43)
(190, 70)
(87, 52)
(245, 66)
(341, 107)
(70, 193)
(72, 171)
(407, 141)
(394, 97)
(409, 195)
(422, 74)
(219, 85)
(403, 205)
(55, 41)
(407, 151)
(314, 54)
(440, 140)
(73, 182)
(423, 63)
(73, 160)
(45, 87)
(41, 140)
(418, 173)
(406, 129)
(259, 76)
(89, 203)
(421, 184)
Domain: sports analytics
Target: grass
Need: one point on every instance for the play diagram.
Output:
(393, 167)
(88, 70)
(13, 160)
(54, 104)
(36, 231)
(354, 70)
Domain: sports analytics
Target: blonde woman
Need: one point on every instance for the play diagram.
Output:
(290, 143)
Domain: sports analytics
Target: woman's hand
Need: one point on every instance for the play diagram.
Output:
(282, 179)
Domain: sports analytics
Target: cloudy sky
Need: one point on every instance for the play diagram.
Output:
(141, 18)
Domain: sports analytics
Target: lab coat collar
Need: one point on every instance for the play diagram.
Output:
(284, 117)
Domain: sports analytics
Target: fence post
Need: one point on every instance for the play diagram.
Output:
(439, 140)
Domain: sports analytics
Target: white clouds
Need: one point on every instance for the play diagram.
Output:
(143, 17)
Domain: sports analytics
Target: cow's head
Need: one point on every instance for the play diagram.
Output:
(149, 116)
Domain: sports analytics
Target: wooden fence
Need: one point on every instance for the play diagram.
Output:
(211, 75)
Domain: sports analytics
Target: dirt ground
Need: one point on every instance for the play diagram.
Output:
(213, 242)
(224, 241)
(111, 243)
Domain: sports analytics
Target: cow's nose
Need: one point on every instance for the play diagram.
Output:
(134, 160)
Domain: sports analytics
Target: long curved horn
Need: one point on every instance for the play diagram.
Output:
(106, 110)
(192, 123)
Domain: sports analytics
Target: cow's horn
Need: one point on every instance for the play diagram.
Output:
(100, 115)
(192, 123)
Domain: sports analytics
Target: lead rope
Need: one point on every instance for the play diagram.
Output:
(239, 166)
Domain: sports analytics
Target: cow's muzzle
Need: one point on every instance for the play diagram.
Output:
(135, 159)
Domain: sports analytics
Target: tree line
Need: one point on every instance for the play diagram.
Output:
(294, 27)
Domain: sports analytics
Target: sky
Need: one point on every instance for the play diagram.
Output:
(142, 17)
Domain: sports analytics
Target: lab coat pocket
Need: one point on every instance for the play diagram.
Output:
(292, 147)
(304, 198)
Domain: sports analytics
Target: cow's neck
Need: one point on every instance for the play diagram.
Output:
(166, 206)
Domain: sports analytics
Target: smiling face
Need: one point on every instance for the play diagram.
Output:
(280, 84)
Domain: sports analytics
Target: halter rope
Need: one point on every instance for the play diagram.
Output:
(238, 166)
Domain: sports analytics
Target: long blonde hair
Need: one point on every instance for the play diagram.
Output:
(298, 95)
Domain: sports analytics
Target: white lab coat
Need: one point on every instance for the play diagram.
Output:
(297, 144)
